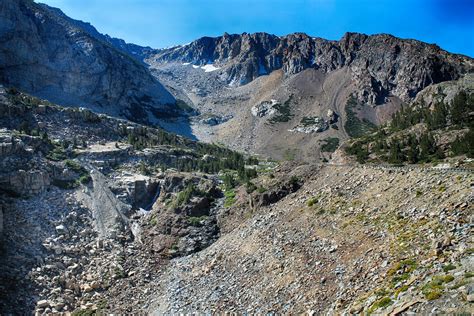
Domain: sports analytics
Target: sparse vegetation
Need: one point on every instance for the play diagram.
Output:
(283, 112)
(229, 198)
(183, 106)
(196, 220)
(289, 154)
(185, 196)
(250, 187)
(434, 289)
(84, 312)
(381, 303)
(401, 271)
(312, 201)
(354, 126)
(330, 144)
(83, 176)
(144, 168)
(309, 120)
(57, 153)
(396, 143)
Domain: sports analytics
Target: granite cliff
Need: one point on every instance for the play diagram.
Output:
(47, 54)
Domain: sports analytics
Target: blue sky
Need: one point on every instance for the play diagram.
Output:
(162, 23)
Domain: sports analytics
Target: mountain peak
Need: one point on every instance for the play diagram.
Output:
(391, 66)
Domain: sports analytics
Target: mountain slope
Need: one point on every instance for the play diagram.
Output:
(44, 53)
(272, 95)
(438, 125)
(136, 51)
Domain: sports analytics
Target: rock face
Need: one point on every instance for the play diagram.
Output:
(29, 182)
(51, 56)
(1, 220)
(381, 65)
(108, 212)
(136, 51)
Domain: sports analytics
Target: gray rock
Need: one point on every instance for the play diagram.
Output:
(411, 65)
(71, 67)
(42, 304)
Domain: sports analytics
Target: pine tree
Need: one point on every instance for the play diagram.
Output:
(458, 108)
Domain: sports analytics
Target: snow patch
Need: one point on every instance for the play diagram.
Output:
(195, 67)
(209, 68)
(185, 64)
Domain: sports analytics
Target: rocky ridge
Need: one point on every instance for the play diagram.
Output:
(381, 65)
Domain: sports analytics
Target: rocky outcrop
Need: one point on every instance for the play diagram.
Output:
(29, 182)
(381, 65)
(446, 91)
(42, 52)
(108, 212)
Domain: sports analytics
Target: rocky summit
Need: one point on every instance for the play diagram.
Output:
(243, 174)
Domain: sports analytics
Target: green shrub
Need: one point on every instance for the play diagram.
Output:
(85, 178)
(449, 267)
(196, 220)
(330, 144)
(250, 187)
(261, 190)
(185, 196)
(381, 303)
(283, 112)
(57, 154)
(229, 198)
(354, 126)
(71, 164)
(312, 201)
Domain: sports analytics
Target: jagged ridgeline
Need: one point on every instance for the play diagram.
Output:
(422, 133)
(66, 133)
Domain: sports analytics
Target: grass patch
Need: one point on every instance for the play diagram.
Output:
(289, 154)
(381, 303)
(229, 198)
(434, 289)
(401, 271)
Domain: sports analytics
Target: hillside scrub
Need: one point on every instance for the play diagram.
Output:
(401, 141)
